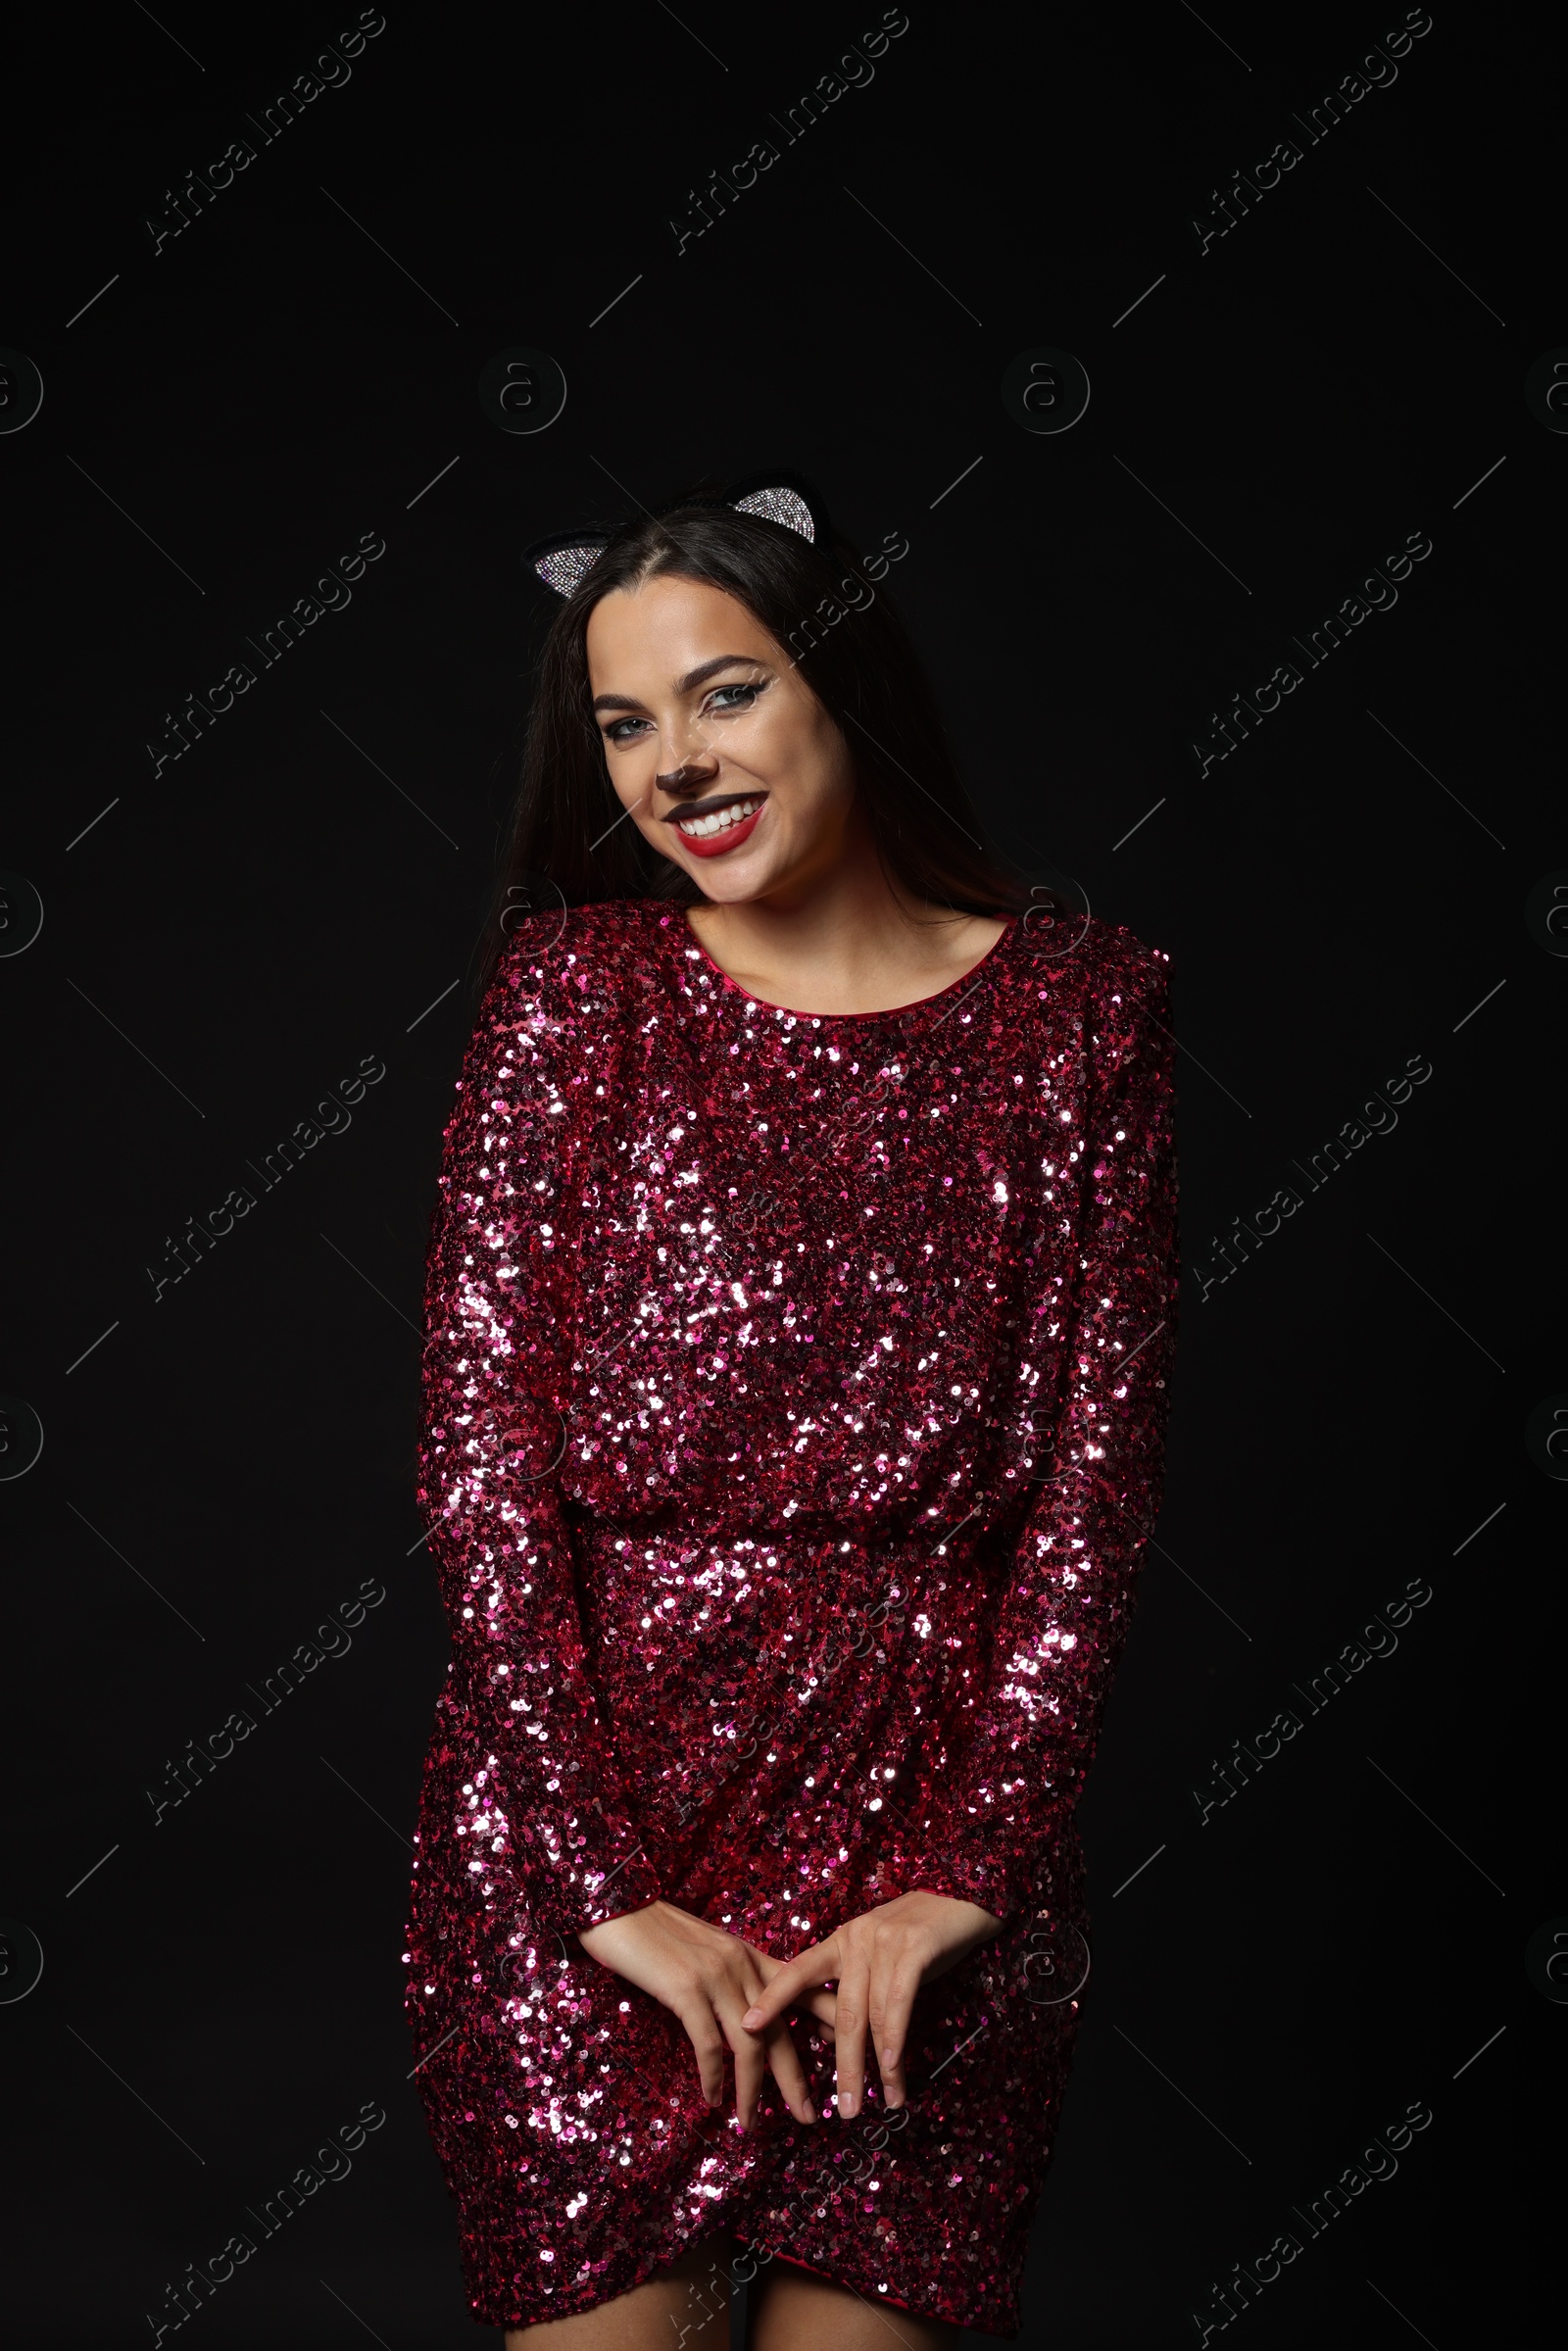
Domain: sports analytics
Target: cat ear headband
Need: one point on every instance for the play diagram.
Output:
(563, 563)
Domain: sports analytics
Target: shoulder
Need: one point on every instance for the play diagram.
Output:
(1093, 964)
(571, 960)
(1122, 968)
(1110, 988)
(561, 997)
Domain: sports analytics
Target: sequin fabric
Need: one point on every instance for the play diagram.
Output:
(795, 1391)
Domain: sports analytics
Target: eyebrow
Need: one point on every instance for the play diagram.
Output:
(683, 685)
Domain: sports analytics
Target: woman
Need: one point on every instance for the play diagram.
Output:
(800, 1315)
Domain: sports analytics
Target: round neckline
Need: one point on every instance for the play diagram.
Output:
(887, 1013)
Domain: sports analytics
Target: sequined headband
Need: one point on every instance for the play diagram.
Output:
(563, 563)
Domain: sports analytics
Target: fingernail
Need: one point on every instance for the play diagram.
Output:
(809, 2112)
(753, 2017)
(889, 2057)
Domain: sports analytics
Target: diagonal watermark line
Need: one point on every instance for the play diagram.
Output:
(136, 1571)
(915, 257)
(87, 828)
(89, 1350)
(1442, 1833)
(1475, 1008)
(1441, 1309)
(957, 1008)
(1143, 297)
(620, 486)
(1209, 1073)
(1139, 1871)
(430, 2053)
(431, 1007)
(621, 819)
(952, 1534)
(1181, 1571)
(368, 1806)
(136, 2094)
(369, 1285)
(354, 2314)
(1399, 2313)
(633, 1331)
(382, 772)
(693, 36)
(135, 526)
(418, 494)
(1475, 485)
(902, 770)
(169, 36)
(1176, 518)
(953, 485)
(1437, 257)
(619, 1865)
(1143, 820)
(380, 248)
(1218, 36)
(92, 1872)
(1481, 1530)
(953, 2053)
(620, 297)
(134, 1046)
(1481, 2052)
(86, 305)
(1142, 1344)
(1181, 2093)
(1437, 779)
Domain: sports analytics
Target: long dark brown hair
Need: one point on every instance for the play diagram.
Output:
(819, 604)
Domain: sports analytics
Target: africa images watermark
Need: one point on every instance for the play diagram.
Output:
(332, 1117)
(332, 1639)
(332, 72)
(1378, 595)
(856, 72)
(1378, 1116)
(1378, 1637)
(858, 596)
(332, 595)
(1379, 2160)
(1377, 72)
(184, 2300)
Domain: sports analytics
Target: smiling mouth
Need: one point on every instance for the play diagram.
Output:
(709, 820)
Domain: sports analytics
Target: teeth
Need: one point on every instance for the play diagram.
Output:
(722, 820)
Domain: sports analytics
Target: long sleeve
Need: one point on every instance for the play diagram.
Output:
(1021, 1722)
(545, 1809)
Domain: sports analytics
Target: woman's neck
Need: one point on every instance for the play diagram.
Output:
(850, 943)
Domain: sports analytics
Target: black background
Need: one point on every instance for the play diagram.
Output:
(235, 933)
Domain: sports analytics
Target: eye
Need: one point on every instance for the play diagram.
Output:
(613, 733)
(750, 692)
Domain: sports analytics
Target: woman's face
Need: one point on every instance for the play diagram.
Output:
(706, 724)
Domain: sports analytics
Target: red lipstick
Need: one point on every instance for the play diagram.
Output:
(717, 845)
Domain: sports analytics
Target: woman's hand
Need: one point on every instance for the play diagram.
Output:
(878, 1962)
(708, 1980)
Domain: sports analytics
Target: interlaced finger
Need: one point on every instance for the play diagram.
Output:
(896, 1977)
(851, 2018)
(708, 2043)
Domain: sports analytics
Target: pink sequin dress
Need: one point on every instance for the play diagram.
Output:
(795, 1391)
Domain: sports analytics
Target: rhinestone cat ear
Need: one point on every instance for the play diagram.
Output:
(778, 504)
(563, 562)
